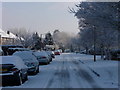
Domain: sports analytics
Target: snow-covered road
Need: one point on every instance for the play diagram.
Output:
(65, 71)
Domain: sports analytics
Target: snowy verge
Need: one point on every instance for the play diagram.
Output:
(106, 70)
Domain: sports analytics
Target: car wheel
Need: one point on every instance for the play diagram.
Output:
(26, 77)
(35, 72)
(38, 70)
(48, 63)
(19, 80)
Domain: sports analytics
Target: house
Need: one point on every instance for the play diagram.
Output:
(8, 38)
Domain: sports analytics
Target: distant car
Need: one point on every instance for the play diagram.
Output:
(57, 52)
(12, 70)
(30, 61)
(77, 52)
(42, 57)
(114, 55)
(83, 52)
(67, 50)
(60, 50)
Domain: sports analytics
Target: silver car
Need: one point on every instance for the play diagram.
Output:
(50, 54)
(42, 57)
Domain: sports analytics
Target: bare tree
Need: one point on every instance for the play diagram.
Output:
(25, 34)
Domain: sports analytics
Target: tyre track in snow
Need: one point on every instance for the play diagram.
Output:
(68, 70)
(61, 76)
(51, 82)
(81, 72)
(75, 79)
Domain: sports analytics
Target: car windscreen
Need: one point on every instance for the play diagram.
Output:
(40, 53)
(24, 55)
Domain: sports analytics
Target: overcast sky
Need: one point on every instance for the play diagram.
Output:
(39, 16)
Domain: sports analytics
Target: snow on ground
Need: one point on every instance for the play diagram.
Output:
(72, 70)
(106, 69)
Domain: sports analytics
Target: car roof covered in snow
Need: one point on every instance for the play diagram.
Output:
(17, 61)
(19, 49)
(40, 53)
(25, 55)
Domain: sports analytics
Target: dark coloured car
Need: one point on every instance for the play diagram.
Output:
(13, 50)
(13, 71)
(115, 55)
(5, 48)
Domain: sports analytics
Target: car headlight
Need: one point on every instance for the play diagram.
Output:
(29, 64)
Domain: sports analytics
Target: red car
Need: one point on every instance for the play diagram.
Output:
(57, 52)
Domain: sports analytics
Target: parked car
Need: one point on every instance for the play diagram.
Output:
(42, 57)
(67, 51)
(30, 61)
(50, 54)
(83, 52)
(5, 48)
(114, 55)
(97, 51)
(13, 50)
(12, 70)
(57, 52)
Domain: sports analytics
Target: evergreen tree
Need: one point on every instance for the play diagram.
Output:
(48, 39)
(37, 44)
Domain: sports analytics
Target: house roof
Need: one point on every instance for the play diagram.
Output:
(11, 35)
(3, 34)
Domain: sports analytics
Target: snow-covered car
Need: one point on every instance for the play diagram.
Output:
(30, 61)
(53, 54)
(12, 70)
(42, 57)
(50, 55)
(57, 52)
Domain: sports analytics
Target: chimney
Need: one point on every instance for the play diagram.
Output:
(8, 32)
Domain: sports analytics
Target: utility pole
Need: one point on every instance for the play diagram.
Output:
(94, 34)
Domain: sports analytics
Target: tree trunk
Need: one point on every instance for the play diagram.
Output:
(102, 52)
(107, 53)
